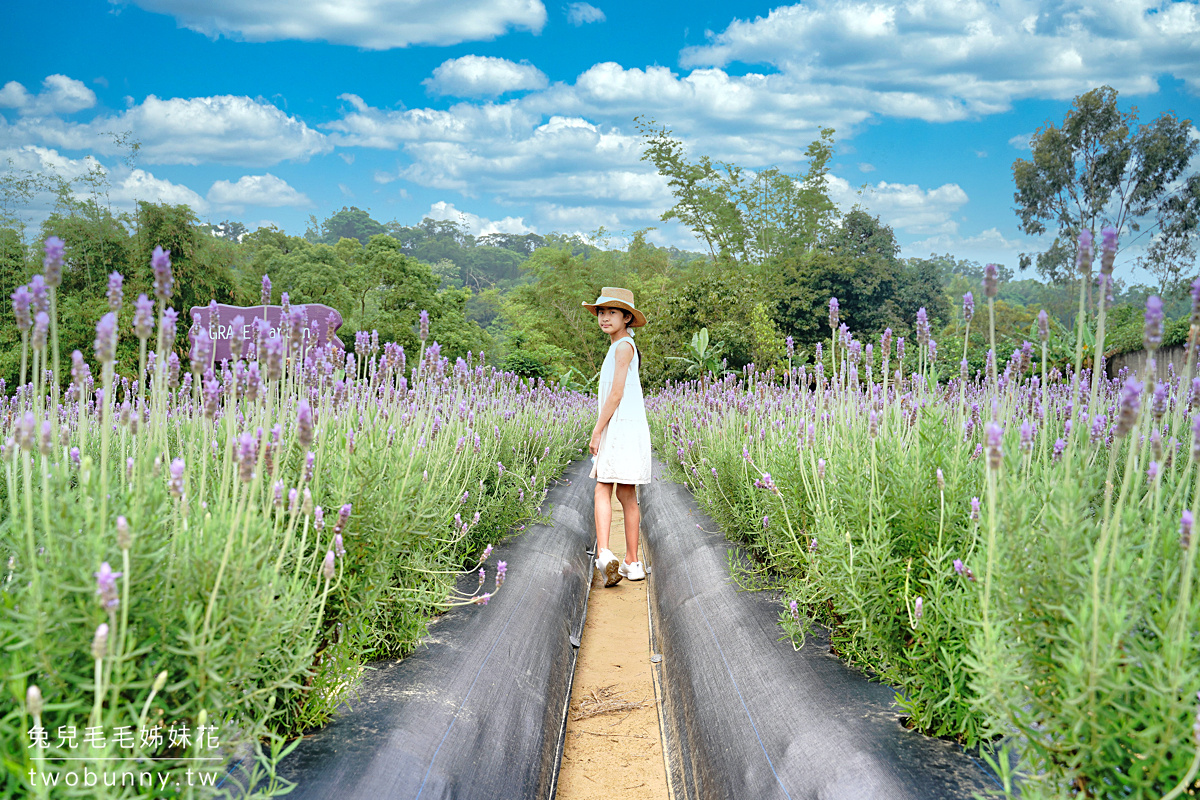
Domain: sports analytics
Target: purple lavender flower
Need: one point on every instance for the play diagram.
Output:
(1152, 471)
(767, 482)
(959, 567)
(106, 586)
(932, 350)
(175, 483)
(790, 343)
(833, 313)
(941, 480)
(766, 522)
(964, 370)
(821, 468)
(22, 300)
(236, 340)
(342, 518)
(1083, 258)
(116, 291)
(26, 431)
(995, 437)
(106, 338)
(247, 456)
(143, 317)
(273, 352)
(1130, 405)
(53, 262)
(327, 568)
(794, 611)
(1108, 249)
(968, 302)
(872, 424)
(41, 327)
(164, 281)
(922, 326)
(124, 536)
(919, 609)
(100, 642)
(1043, 324)
(173, 367)
(990, 281)
(319, 518)
(1185, 529)
(74, 455)
(41, 297)
(1026, 436)
(1153, 330)
(304, 424)
(1060, 445)
(201, 354)
(501, 572)
(266, 290)
(170, 318)
(1196, 302)
(46, 443)
(338, 546)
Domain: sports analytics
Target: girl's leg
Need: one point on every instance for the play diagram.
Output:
(627, 494)
(603, 515)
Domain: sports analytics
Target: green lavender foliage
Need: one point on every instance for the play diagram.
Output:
(1067, 632)
(223, 588)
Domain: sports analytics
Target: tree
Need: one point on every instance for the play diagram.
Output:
(201, 272)
(750, 215)
(349, 223)
(1100, 167)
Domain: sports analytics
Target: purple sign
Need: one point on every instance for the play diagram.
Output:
(317, 324)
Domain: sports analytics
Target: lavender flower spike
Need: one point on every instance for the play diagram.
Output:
(327, 567)
(53, 263)
(266, 290)
(106, 338)
(115, 292)
(100, 642)
(1043, 323)
(41, 327)
(833, 313)
(22, 300)
(1153, 331)
(1130, 405)
(164, 282)
(1083, 259)
(304, 424)
(424, 326)
(995, 437)
(501, 571)
(1108, 250)
(106, 586)
(968, 306)
(990, 281)
(143, 317)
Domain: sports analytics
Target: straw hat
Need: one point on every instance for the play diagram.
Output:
(614, 297)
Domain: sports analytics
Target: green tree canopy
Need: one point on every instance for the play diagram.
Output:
(1100, 167)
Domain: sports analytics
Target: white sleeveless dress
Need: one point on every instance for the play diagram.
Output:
(624, 455)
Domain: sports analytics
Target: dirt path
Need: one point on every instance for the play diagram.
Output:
(613, 750)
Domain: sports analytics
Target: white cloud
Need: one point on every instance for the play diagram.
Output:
(583, 13)
(125, 186)
(223, 129)
(369, 24)
(477, 225)
(59, 95)
(989, 245)
(865, 167)
(138, 185)
(266, 191)
(1021, 141)
(483, 76)
(951, 59)
(906, 207)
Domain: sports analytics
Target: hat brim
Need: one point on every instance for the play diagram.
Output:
(639, 319)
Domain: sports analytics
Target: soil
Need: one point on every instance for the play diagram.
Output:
(613, 749)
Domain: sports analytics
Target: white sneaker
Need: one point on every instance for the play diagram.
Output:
(609, 565)
(633, 572)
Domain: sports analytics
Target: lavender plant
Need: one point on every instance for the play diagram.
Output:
(1013, 550)
(222, 553)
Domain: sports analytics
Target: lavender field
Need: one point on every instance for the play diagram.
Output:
(201, 562)
(1013, 549)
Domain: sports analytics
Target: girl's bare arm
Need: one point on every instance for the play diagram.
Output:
(624, 359)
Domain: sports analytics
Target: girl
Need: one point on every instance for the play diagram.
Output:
(620, 443)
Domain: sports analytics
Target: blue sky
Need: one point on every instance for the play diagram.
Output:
(517, 115)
